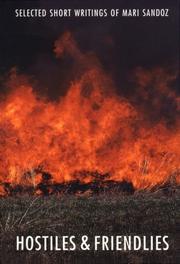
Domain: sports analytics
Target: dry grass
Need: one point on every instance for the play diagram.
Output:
(142, 213)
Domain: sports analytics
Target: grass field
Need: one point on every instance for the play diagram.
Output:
(138, 214)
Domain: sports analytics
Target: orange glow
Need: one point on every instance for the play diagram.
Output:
(91, 128)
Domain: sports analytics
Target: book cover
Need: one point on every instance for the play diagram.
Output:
(89, 132)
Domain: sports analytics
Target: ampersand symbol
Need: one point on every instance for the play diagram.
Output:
(84, 244)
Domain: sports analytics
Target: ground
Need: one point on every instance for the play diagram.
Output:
(142, 213)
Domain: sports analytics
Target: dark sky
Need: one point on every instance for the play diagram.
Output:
(121, 44)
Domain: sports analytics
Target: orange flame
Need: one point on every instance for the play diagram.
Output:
(90, 128)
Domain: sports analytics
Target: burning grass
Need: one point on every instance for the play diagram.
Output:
(99, 184)
(91, 127)
(142, 213)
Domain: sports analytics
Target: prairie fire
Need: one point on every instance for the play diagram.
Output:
(90, 132)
